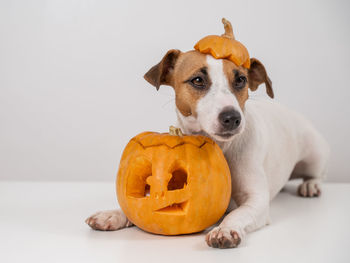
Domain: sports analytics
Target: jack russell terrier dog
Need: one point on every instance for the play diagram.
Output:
(264, 143)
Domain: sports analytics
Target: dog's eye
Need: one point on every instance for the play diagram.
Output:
(240, 82)
(197, 82)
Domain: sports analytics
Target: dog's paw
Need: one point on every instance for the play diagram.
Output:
(108, 220)
(223, 238)
(309, 188)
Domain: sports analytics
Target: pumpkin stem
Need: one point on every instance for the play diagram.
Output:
(228, 29)
(175, 131)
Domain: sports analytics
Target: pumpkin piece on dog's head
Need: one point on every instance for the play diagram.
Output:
(173, 184)
(225, 47)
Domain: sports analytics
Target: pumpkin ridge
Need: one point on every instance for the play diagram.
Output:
(164, 144)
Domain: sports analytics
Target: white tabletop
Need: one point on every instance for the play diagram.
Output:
(44, 222)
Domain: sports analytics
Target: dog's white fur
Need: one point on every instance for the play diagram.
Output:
(271, 146)
(262, 157)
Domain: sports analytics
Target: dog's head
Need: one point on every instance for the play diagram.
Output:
(210, 93)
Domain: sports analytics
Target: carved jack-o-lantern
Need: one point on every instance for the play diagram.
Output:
(173, 184)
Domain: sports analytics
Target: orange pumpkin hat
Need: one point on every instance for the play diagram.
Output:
(225, 46)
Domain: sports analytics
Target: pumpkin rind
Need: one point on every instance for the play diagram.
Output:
(153, 158)
(225, 47)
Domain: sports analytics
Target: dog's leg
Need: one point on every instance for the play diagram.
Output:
(108, 220)
(310, 187)
(251, 214)
(313, 168)
(312, 174)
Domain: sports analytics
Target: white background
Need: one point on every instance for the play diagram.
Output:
(71, 75)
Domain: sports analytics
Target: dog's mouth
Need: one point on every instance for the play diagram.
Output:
(220, 136)
(225, 135)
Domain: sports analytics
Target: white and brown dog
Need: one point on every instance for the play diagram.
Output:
(264, 143)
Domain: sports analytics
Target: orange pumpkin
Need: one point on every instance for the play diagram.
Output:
(225, 46)
(173, 184)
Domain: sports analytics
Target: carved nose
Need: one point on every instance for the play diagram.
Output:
(230, 119)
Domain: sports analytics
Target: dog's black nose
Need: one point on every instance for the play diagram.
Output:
(230, 119)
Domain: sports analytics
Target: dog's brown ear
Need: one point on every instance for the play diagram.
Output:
(161, 74)
(257, 75)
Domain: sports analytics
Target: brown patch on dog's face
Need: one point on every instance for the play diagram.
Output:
(192, 81)
(237, 78)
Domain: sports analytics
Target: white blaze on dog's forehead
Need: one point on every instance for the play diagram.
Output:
(218, 97)
(220, 87)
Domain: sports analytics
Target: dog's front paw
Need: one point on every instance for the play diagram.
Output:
(222, 237)
(108, 220)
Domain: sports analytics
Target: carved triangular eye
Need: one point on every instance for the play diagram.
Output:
(178, 180)
(137, 185)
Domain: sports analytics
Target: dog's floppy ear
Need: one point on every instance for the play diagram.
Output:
(161, 74)
(257, 75)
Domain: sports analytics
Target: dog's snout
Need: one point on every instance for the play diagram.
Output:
(230, 119)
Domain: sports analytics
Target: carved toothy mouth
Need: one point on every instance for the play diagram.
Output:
(175, 208)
